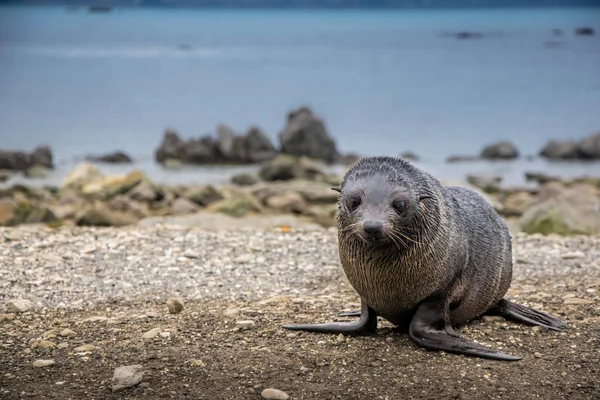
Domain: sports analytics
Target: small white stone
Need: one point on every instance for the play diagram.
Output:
(191, 254)
(67, 333)
(127, 376)
(245, 323)
(274, 394)
(43, 363)
(151, 333)
(244, 258)
(18, 306)
(84, 348)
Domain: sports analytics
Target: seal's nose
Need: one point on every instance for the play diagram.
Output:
(372, 227)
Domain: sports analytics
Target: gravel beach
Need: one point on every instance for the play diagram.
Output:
(98, 300)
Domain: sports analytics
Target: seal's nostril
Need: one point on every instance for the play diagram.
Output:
(372, 227)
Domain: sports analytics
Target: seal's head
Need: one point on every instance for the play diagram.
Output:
(386, 200)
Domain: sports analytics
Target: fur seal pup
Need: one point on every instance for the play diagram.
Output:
(423, 256)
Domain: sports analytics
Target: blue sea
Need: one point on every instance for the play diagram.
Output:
(384, 82)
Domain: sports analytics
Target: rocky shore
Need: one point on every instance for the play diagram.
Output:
(175, 312)
(293, 180)
(297, 187)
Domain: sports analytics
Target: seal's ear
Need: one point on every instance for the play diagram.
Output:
(425, 198)
(337, 189)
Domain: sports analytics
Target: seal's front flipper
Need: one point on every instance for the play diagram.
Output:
(431, 330)
(366, 324)
(526, 315)
(353, 313)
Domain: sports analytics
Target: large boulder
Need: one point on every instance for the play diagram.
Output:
(555, 150)
(81, 175)
(201, 151)
(226, 139)
(203, 195)
(501, 150)
(305, 135)
(589, 147)
(238, 205)
(285, 167)
(564, 211)
(253, 147)
(113, 185)
(99, 214)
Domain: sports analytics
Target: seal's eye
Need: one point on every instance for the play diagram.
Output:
(354, 202)
(399, 206)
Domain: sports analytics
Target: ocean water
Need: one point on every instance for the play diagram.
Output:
(383, 81)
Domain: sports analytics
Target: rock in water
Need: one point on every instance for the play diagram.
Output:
(555, 150)
(585, 31)
(305, 135)
(175, 305)
(172, 147)
(258, 146)
(589, 147)
(274, 394)
(118, 157)
(501, 150)
(42, 156)
(19, 306)
(127, 376)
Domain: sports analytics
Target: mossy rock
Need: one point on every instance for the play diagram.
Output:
(237, 206)
(245, 179)
(113, 185)
(203, 195)
(562, 216)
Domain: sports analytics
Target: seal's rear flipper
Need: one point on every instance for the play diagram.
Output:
(429, 329)
(366, 324)
(526, 315)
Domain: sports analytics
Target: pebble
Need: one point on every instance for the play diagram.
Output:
(43, 344)
(175, 305)
(67, 333)
(43, 363)
(151, 333)
(18, 306)
(127, 376)
(577, 301)
(231, 312)
(63, 345)
(6, 317)
(274, 394)
(95, 319)
(492, 318)
(197, 363)
(244, 258)
(84, 348)
(537, 354)
(245, 323)
(573, 255)
(191, 254)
